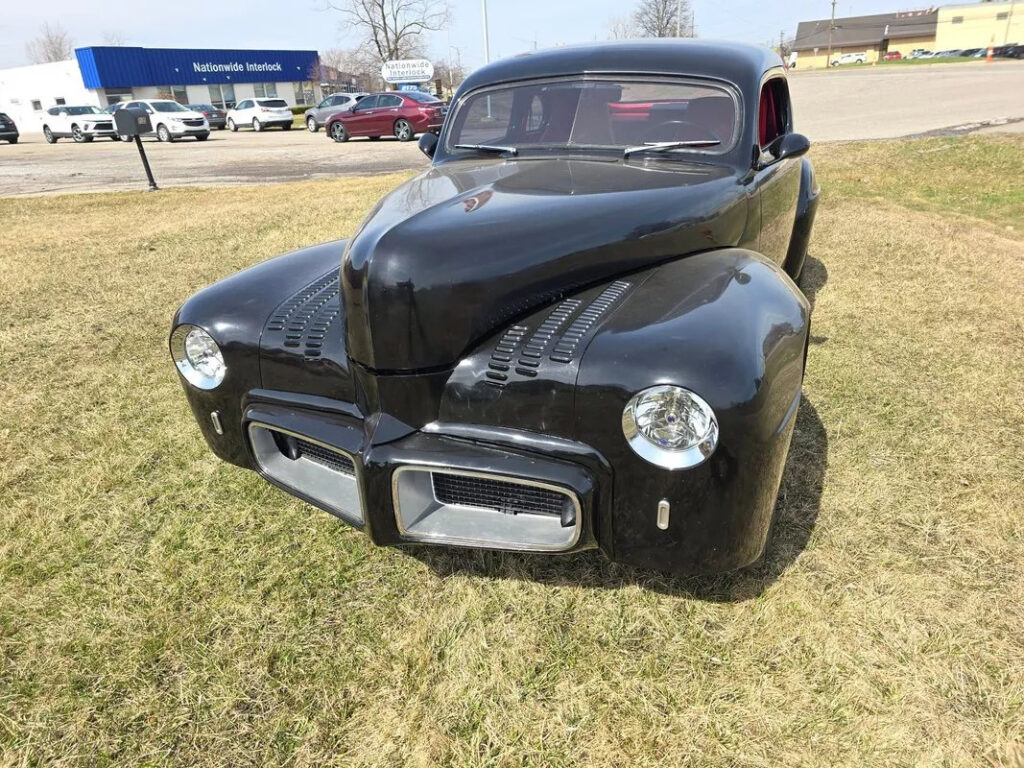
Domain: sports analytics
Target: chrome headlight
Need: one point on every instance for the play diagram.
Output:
(670, 426)
(197, 357)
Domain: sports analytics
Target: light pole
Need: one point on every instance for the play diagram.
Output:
(487, 44)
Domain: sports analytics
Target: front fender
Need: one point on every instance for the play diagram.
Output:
(234, 311)
(731, 326)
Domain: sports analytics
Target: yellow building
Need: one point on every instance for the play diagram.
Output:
(819, 42)
(949, 27)
(979, 25)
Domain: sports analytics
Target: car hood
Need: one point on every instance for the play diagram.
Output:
(468, 246)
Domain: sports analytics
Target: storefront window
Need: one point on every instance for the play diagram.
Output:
(222, 96)
(265, 90)
(178, 94)
(117, 95)
(304, 93)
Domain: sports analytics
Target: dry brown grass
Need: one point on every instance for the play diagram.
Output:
(159, 607)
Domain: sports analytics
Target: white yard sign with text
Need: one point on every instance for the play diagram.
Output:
(407, 71)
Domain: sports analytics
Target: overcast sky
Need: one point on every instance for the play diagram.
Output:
(514, 24)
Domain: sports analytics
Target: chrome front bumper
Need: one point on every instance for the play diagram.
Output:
(424, 488)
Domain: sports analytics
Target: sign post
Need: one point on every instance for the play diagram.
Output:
(129, 124)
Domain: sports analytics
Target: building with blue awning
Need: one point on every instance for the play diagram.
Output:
(104, 75)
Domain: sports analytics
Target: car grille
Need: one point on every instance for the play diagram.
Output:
(485, 493)
(325, 457)
(193, 122)
(104, 126)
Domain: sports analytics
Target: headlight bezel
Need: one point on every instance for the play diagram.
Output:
(688, 457)
(190, 370)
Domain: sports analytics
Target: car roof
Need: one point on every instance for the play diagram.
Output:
(738, 63)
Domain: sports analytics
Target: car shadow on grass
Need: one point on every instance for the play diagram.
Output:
(796, 513)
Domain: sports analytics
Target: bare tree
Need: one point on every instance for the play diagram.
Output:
(393, 27)
(661, 18)
(621, 28)
(52, 44)
(114, 37)
(450, 75)
(354, 66)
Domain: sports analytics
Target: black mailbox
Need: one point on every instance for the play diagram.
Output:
(131, 122)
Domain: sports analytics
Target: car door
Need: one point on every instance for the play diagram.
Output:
(328, 107)
(389, 109)
(778, 183)
(359, 122)
(55, 122)
(243, 112)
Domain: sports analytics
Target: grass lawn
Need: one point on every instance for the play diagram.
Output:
(159, 607)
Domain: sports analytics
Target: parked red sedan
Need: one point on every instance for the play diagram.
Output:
(401, 114)
(893, 56)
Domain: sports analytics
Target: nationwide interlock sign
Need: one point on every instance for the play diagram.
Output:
(407, 71)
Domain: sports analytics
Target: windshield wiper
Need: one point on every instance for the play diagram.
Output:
(489, 148)
(666, 146)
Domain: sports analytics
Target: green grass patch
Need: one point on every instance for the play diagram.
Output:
(158, 607)
(973, 177)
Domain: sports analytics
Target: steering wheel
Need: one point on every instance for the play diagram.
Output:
(678, 130)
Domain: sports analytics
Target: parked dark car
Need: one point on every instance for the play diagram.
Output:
(217, 118)
(578, 328)
(401, 114)
(8, 130)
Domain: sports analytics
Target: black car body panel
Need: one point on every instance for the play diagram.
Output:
(491, 319)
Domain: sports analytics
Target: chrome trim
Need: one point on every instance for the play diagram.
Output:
(358, 515)
(217, 426)
(189, 372)
(664, 508)
(687, 458)
(479, 543)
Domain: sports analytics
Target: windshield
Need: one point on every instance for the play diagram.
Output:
(167, 106)
(202, 107)
(583, 112)
(83, 110)
(422, 98)
(272, 102)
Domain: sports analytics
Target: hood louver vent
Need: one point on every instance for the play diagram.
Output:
(520, 353)
(306, 318)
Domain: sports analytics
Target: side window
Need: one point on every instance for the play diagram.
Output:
(390, 101)
(370, 102)
(52, 111)
(773, 118)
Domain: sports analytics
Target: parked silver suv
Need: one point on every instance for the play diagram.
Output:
(316, 117)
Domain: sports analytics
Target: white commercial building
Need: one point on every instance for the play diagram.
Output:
(102, 76)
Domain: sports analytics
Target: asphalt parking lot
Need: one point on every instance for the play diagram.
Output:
(846, 104)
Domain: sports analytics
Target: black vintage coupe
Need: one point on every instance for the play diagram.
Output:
(578, 328)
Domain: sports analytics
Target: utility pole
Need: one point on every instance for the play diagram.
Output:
(487, 44)
(831, 26)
